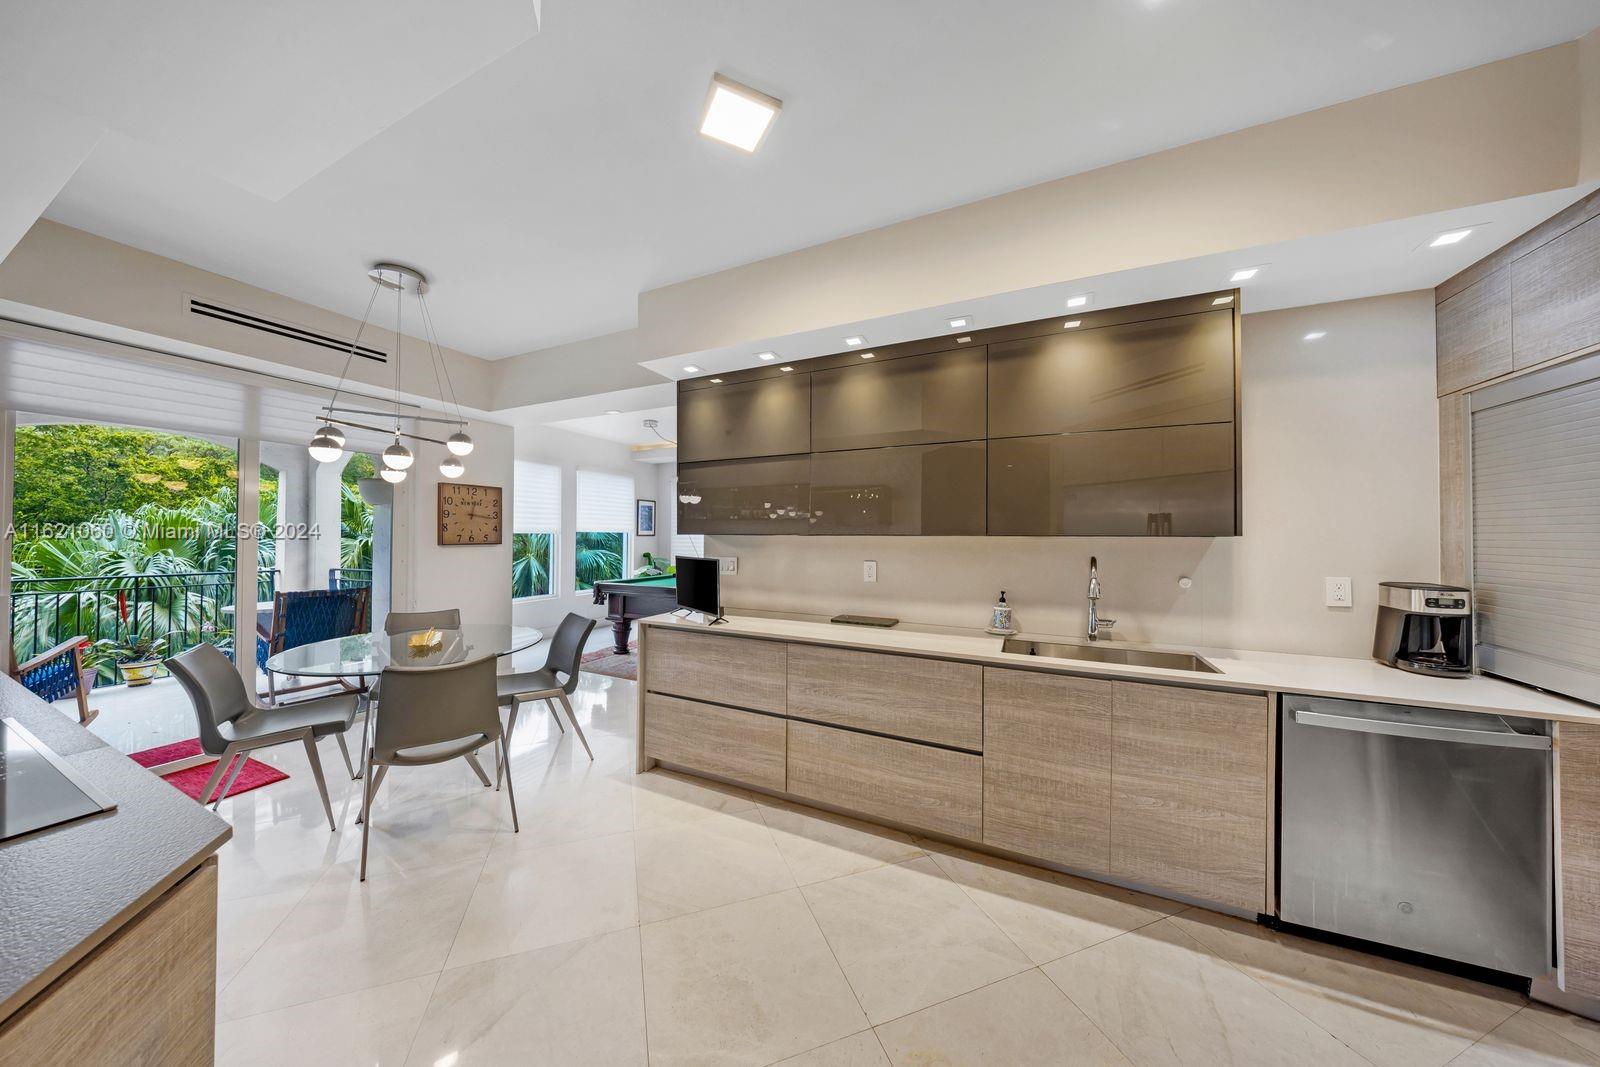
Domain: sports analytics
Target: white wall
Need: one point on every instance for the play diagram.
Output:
(1340, 478)
(570, 451)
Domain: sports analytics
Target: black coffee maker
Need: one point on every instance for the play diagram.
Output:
(1424, 628)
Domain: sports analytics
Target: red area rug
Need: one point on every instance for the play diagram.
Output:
(607, 662)
(193, 779)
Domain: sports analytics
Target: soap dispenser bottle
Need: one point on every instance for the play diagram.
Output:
(1001, 621)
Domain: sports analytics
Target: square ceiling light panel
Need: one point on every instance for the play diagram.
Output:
(737, 114)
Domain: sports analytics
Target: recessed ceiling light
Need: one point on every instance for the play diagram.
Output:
(737, 114)
(1450, 237)
(1078, 301)
(959, 322)
(855, 339)
(1222, 300)
(1072, 324)
(766, 357)
(716, 381)
(691, 369)
(1316, 335)
(868, 355)
(786, 369)
(1244, 275)
(613, 411)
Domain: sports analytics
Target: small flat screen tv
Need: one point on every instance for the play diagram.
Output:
(698, 586)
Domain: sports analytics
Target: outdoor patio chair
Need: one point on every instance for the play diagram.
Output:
(57, 674)
(303, 617)
(557, 678)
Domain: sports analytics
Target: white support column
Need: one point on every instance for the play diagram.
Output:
(244, 582)
(8, 468)
(324, 518)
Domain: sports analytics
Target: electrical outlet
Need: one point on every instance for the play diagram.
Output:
(869, 570)
(1338, 594)
(728, 565)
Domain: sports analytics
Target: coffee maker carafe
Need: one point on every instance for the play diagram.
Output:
(1424, 628)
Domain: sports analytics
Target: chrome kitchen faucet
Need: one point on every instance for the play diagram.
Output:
(1095, 621)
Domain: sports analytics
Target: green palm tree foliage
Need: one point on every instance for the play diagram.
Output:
(530, 564)
(599, 557)
(355, 529)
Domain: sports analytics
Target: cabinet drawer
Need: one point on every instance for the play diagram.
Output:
(1189, 792)
(1047, 766)
(740, 745)
(915, 785)
(724, 670)
(923, 699)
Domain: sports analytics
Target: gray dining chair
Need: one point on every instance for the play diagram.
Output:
(401, 622)
(433, 716)
(554, 681)
(232, 724)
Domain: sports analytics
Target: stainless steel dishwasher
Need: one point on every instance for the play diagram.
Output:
(1424, 829)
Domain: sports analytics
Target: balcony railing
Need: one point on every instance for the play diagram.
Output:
(349, 577)
(188, 605)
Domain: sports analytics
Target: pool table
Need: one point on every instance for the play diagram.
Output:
(635, 598)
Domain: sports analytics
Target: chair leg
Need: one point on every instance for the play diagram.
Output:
(511, 794)
(344, 750)
(366, 811)
(272, 689)
(568, 705)
(366, 733)
(477, 768)
(238, 765)
(551, 706)
(501, 753)
(224, 761)
(316, 772)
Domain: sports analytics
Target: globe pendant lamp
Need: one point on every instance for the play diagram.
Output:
(328, 441)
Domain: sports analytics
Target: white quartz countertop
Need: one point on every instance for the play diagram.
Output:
(1350, 679)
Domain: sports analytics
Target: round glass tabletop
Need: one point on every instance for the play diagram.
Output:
(371, 653)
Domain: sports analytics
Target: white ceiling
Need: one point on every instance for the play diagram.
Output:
(286, 145)
(627, 427)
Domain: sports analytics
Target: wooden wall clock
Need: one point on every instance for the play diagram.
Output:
(469, 514)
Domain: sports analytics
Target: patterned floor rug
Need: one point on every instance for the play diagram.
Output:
(608, 662)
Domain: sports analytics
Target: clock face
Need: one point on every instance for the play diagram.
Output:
(469, 514)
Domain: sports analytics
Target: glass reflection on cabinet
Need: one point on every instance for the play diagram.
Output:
(917, 400)
(746, 496)
(904, 490)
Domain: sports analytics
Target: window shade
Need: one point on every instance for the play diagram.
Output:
(537, 489)
(605, 502)
(682, 544)
(1536, 530)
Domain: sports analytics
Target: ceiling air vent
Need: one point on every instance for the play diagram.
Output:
(282, 329)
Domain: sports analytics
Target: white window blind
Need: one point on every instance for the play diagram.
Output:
(1536, 528)
(682, 544)
(605, 502)
(537, 488)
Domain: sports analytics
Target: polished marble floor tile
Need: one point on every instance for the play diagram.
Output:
(857, 1050)
(819, 845)
(1575, 1028)
(746, 983)
(666, 798)
(530, 898)
(370, 1027)
(1162, 998)
(575, 1004)
(908, 937)
(1048, 914)
(571, 809)
(1022, 1021)
(244, 925)
(705, 863)
(1521, 1039)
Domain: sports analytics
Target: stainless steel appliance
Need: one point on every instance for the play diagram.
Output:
(38, 788)
(1424, 628)
(1423, 829)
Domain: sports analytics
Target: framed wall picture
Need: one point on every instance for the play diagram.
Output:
(646, 525)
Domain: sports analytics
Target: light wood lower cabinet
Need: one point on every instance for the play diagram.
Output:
(1579, 751)
(1189, 792)
(915, 785)
(739, 745)
(741, 671)
(906, 696)
(1047, 766)
(148, 995)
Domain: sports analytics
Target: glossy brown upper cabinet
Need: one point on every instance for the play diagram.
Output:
(910, 401)
(746, 496)
(905, 490)
(768, 416)
(1159, 372)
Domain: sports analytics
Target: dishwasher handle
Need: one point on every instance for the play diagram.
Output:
(1429, 733)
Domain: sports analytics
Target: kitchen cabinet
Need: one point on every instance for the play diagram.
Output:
(1047, 766)
(741, 746)
(1555, 297)
(918, 400)
(745, 496)
(905, 696)
(769, 416)
(1171, 481)
(1189, 792)
(1474, 333)
(1159, 372)
(900, 490)
(914, 785)
(1578, 749)
(740, 671)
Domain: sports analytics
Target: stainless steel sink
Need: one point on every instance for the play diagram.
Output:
(1177, 661)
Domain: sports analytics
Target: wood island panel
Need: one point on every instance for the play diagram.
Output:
(1578, 748)
(1473, 329)
(740, 671)
(906, 696)
(1189, 792)
(146, 996)
(915, 785)
(739, 745)
(1047, 766)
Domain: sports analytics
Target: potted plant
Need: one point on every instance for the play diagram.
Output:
(138, 654)
(95, 656)
(655, 566)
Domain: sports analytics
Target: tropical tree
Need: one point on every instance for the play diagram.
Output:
(530, 564)
(599, 557)
(355, 529)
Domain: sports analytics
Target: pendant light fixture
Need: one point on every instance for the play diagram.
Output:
(328, 440)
